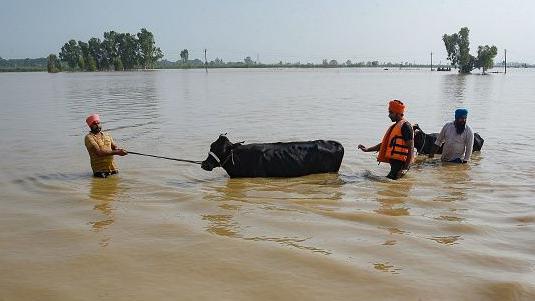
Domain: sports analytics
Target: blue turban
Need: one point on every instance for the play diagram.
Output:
(461, 113)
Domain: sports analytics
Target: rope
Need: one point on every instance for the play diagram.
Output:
(166, 158)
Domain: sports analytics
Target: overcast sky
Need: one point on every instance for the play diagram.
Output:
(303, 30)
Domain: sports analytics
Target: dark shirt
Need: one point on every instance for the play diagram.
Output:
(406, 131)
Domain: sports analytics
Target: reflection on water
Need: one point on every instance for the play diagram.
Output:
(387, 267)
(221, 224)
(103, 192)
(392, 197)
(450, 218)
(301, 195)
(456, 180)
(453, 91)
(446, 240)
(390, 242)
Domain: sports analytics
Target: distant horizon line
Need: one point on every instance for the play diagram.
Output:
(511, 63)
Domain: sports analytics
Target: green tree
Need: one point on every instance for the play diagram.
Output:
(81, 63)
(110, 51)
(451, 42)
(485, 57)
(53, 65)
(184, 56)
(118, 51)
(148, 52)
(248, 61)
(71, 53)
(89, 63)
(128, 50)
(96, 51)
(118, 64)
(458, 49)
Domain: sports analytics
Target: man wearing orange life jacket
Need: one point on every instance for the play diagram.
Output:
(397, 145)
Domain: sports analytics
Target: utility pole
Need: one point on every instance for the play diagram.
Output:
(505, 62)
(205, 61)
(431, 61)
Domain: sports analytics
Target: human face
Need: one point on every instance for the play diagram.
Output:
(393, 116)
(461, 121)
(95, 127)
(460, 124)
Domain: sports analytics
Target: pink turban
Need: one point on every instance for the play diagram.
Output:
(92, 119)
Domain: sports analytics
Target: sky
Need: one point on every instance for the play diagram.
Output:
(277, 30)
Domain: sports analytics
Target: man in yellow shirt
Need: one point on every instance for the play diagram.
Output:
(101, 149)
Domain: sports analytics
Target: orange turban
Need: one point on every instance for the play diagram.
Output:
(92, 119)
(396, 106)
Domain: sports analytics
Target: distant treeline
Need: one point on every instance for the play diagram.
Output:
(117, 51)
(124, 51)
(17, 65)
(40, 64)
(249, 63)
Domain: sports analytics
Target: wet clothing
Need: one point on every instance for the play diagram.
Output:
(104, 175)
(394, 143)
(407, 132)
(395, 167)
(100, 164)
(404, 134)
(455, 146)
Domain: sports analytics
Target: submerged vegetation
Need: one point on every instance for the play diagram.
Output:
(458, 49)
(117, 51)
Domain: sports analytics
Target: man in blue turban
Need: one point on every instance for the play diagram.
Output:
(457, 138)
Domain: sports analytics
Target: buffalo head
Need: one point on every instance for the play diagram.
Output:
(219, 154)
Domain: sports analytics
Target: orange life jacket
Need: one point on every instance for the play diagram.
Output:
(393, 146)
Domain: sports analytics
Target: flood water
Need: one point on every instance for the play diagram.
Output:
(164, 230)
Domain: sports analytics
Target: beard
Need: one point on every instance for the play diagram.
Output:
(459, 127)
(95, 129)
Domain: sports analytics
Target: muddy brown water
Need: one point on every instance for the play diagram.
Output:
(162, 230)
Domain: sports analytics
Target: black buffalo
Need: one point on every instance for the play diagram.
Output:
(281, 159)
(423, 142)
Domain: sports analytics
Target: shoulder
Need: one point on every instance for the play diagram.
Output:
(88, 138)
(469, 130)
(89, 141)
(406, 130)
(449, 124)
(406, 127)
(406, 124)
